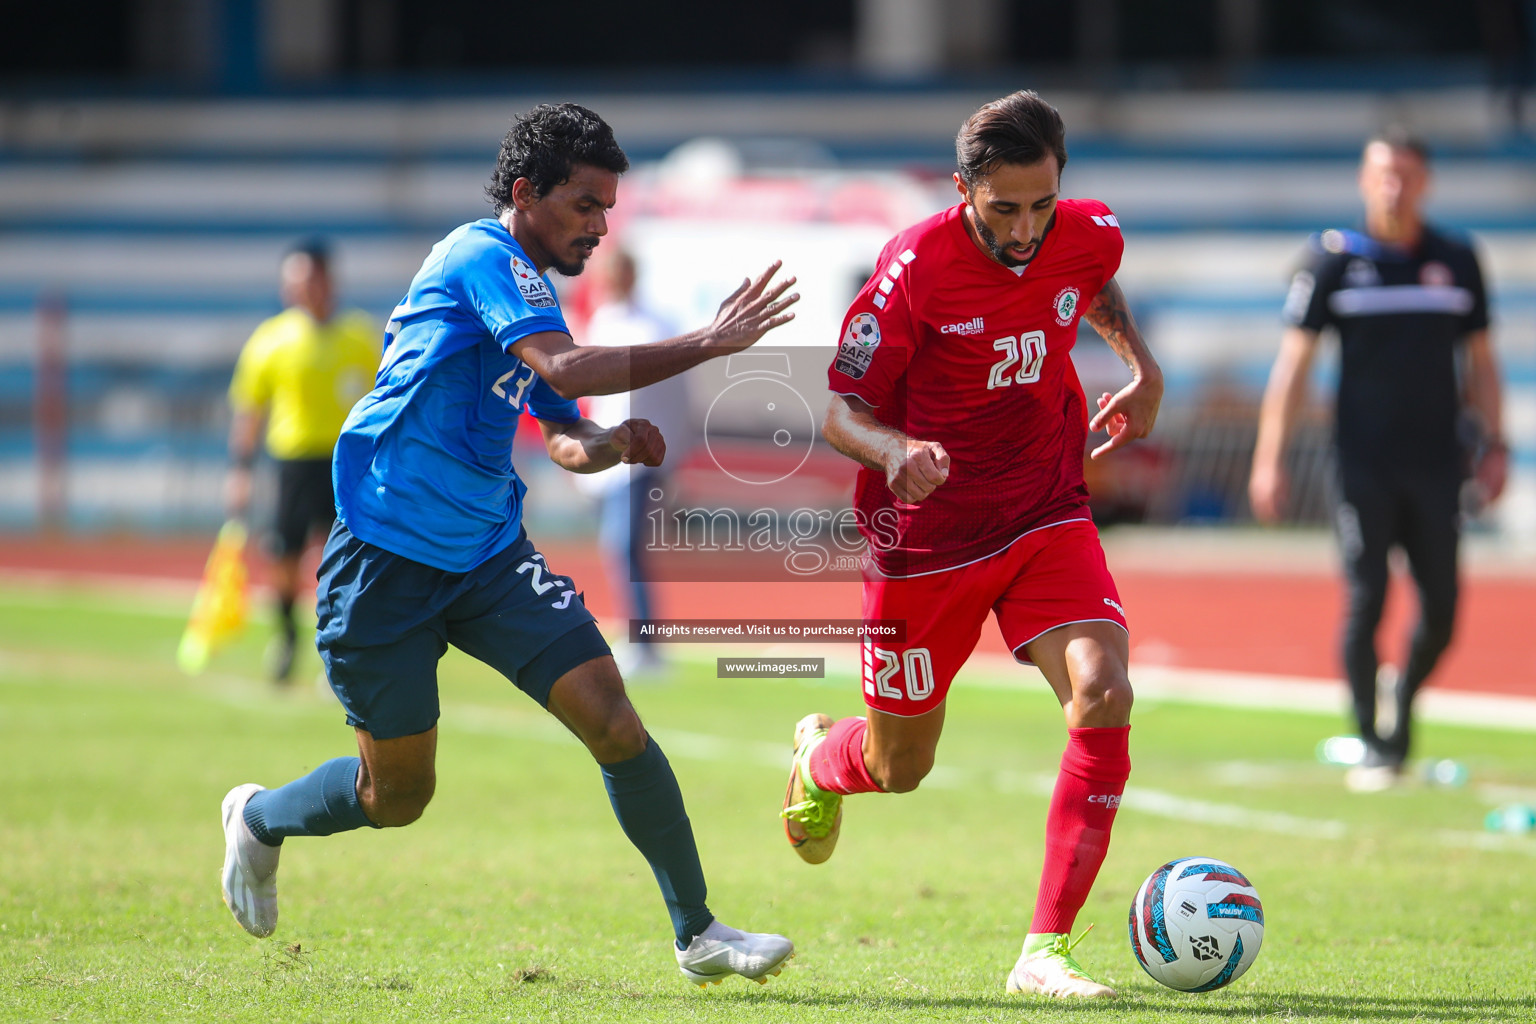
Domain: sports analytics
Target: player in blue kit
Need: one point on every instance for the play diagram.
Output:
(429, 549)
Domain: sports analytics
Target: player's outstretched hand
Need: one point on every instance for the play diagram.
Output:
(1127, 415)
(638, 442)
(753, 310)
(918, 471)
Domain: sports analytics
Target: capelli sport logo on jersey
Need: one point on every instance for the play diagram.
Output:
(971, 326)
(856, 351)
(1066, 306)
(530, 285)
(1109, 800)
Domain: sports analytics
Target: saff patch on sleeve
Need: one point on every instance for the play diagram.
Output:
(534, 289)
(856, 351)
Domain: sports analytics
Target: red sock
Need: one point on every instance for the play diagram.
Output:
(1093, 772)
(837, 766)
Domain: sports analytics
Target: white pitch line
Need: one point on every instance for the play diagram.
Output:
(696, 746)
(1211, 687)
(1168, 805)
(492, 720)
(1498, 842)
(699, 746)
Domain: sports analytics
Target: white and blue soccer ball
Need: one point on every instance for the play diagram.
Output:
(1196, 924)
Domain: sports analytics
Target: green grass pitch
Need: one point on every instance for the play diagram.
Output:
(517, 898)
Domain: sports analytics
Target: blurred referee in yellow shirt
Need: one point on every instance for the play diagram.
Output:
(298, 377)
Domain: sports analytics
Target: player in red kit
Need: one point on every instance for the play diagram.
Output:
(954, 389)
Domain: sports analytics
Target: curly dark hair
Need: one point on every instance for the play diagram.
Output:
(1018, 129)
(545, 143)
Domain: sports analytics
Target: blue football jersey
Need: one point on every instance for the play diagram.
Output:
(423, 466)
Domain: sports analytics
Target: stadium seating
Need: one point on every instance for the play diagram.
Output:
(160, 223)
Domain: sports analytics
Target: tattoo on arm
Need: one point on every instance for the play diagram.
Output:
(1111, 317)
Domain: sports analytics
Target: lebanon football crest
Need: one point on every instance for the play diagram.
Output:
(1065, 305)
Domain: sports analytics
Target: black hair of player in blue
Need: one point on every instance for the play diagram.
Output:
(545, 144)
(1018, 129)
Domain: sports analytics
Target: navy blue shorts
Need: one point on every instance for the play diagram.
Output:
(386, 620)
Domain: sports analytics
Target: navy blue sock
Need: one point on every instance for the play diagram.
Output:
(321, 803)
(649, 807)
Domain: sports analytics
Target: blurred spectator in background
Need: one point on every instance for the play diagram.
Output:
(628, 492)
(1416, 368)
(298, 377)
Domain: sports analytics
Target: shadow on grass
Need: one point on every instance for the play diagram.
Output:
(1285, 1006)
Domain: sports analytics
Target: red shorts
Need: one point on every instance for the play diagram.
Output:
(1052, 576)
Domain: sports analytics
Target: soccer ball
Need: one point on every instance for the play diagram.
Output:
(1196, 924)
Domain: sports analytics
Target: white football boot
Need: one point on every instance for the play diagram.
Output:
(1372, 778)
(250, 867)
(721, 951)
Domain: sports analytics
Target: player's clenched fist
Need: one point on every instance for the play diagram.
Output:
(917, 470)
(638, 442)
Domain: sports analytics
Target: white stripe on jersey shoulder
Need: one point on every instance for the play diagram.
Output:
(1108, 220)
(1401, 298)
(892, 272)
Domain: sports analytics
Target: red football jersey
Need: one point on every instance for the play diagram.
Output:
(950, 346)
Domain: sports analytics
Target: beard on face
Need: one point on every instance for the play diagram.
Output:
(571, 268)
(997, 249)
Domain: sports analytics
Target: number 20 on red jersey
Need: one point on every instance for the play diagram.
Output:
(1027, 350)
